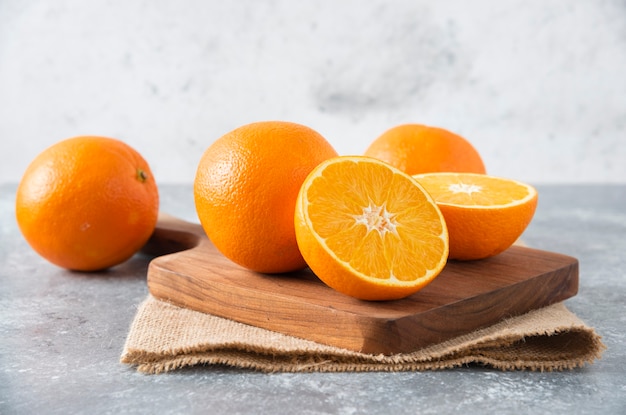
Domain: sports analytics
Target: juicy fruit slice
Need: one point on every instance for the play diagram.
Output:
(485, 215)
(369, 230)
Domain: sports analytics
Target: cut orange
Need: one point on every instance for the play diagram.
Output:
(485, 215)
(369, 230)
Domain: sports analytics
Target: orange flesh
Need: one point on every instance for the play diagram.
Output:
(378, 222)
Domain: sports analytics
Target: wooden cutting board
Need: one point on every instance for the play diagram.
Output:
(191, 273)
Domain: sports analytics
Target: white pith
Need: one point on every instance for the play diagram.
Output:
(377, 218)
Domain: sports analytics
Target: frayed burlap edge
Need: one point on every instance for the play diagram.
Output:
(164, 337)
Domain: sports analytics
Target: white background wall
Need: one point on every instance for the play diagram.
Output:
(538, 86)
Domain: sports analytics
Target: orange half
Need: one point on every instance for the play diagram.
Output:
(369, 230)
(485, 215)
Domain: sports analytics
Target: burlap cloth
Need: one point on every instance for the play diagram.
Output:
(164, 337)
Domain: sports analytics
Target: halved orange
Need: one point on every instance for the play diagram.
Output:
(485, 215)
(369, 230)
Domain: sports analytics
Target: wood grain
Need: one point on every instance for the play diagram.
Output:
(466, 296)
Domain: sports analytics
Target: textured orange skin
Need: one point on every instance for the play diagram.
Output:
(415, 149)
(245, 192)
(341, 278)
(82, 206)
(481, 233)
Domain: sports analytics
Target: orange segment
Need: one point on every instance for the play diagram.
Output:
(485, 215)
(369, 230)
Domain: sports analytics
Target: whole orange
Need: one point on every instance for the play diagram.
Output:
(246, 187)
(416, 148)
(87, 203)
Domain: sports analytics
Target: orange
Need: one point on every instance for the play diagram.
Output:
(369, 230)
(245, 192)
(485, 214)
(87, 203)
(415, 148)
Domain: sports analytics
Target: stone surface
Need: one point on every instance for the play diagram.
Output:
(61, 335)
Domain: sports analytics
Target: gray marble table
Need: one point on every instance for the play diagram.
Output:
(61, 335)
